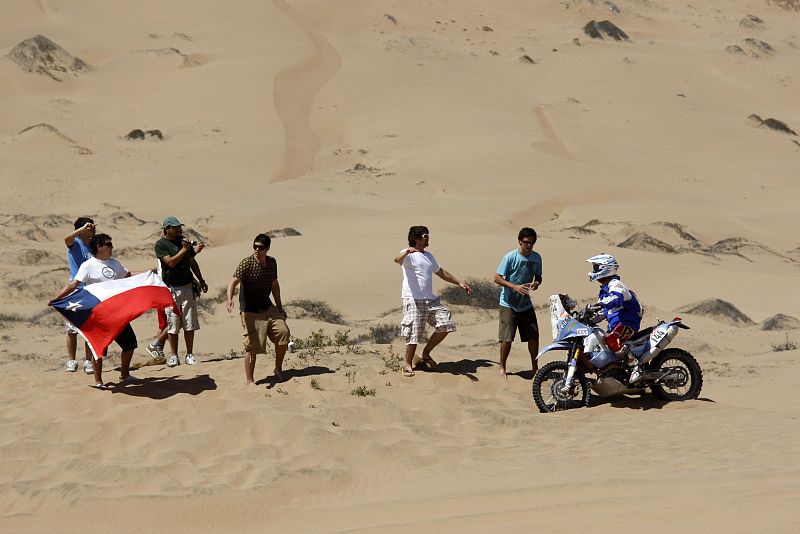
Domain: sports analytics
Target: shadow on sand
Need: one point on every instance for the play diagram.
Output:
(525, 375)
(163, 387)
(271, 381)
(643, 401)
(466, 368)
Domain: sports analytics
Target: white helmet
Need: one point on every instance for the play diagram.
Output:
(603, 266)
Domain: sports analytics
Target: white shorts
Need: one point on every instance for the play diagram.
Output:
(188, 320)
(417, 312)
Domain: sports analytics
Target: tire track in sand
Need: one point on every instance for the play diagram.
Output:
(552, 143)
(294, 89)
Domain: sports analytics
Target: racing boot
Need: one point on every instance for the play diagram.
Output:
(636, 370)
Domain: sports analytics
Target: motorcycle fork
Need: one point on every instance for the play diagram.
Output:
(574, 355)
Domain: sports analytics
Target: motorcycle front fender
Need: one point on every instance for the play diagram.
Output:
(560, 345)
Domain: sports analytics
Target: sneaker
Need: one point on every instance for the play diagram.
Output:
(636, 373)
(173, 361)
(72, 366)
(190, 360)
(87, 367)
(156, 351)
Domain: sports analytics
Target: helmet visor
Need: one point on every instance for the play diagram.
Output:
(596, 267)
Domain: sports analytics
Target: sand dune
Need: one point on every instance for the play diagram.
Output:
(335, 126)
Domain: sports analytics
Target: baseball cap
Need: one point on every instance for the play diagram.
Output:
(171, 221)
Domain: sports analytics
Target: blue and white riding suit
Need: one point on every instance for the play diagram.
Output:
(620, 305)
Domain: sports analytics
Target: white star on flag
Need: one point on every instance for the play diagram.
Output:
(72, 306)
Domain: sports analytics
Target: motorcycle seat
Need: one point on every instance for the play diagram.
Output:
(640, 334)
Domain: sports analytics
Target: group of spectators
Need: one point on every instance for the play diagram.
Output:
(519, 274)
(90, 257)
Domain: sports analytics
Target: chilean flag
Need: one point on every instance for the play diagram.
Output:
(100, 311)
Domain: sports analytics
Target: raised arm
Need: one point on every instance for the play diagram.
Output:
(172, 261)
(69, 239)
(399, 259)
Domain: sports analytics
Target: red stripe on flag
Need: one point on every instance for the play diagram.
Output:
(109, 317)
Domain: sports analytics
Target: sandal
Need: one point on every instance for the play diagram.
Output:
(408, 372)
(430, 362)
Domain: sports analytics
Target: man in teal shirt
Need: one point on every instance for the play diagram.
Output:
(519, 273)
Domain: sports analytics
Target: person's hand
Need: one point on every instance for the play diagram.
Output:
(411, 250)
(50, 302)
(466, 288)
(200, 246)
(88, 226)
(186, 244)
(229, 306)
(154, 270)
(283, 312)
(522, 289)
(203, 286)
(535, 285)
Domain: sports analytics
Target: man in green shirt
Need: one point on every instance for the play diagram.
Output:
(176, 255)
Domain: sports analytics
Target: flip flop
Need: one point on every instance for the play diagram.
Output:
(98, 386)
(408, 372)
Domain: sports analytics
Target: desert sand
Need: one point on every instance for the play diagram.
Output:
(346, 122)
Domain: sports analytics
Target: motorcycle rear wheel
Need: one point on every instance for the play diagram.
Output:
(547, 392)
(690, 388)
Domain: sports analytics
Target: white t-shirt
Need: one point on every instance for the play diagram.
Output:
(418, 270)
(93, 270)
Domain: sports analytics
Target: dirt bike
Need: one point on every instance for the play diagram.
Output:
(671, 374)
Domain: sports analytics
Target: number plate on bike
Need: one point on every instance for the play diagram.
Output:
(657, 336)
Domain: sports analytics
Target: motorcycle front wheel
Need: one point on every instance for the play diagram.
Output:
(689, 379)
(550, 394)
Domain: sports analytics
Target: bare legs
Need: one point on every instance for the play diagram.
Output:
(72, 347)
(505, 350)
(250, 364)
(124, 368)
(188, 338)
(411, 349)
(280, 352)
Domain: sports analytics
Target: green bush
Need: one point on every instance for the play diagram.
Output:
(485, 294)
(786, 345)
(362, 391)
(381, 334)
(319, 310)
(316, 340)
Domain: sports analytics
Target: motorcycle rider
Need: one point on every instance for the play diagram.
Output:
(620, 307)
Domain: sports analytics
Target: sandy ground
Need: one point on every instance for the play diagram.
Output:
(349, 121)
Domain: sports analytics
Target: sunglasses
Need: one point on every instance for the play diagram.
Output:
(424, 236)
(529, 243)
(109, 245)
(259, 247)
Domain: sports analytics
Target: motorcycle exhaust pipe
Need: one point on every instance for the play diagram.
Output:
(666, 339)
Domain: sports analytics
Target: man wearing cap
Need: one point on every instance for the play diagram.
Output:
(176, 255)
